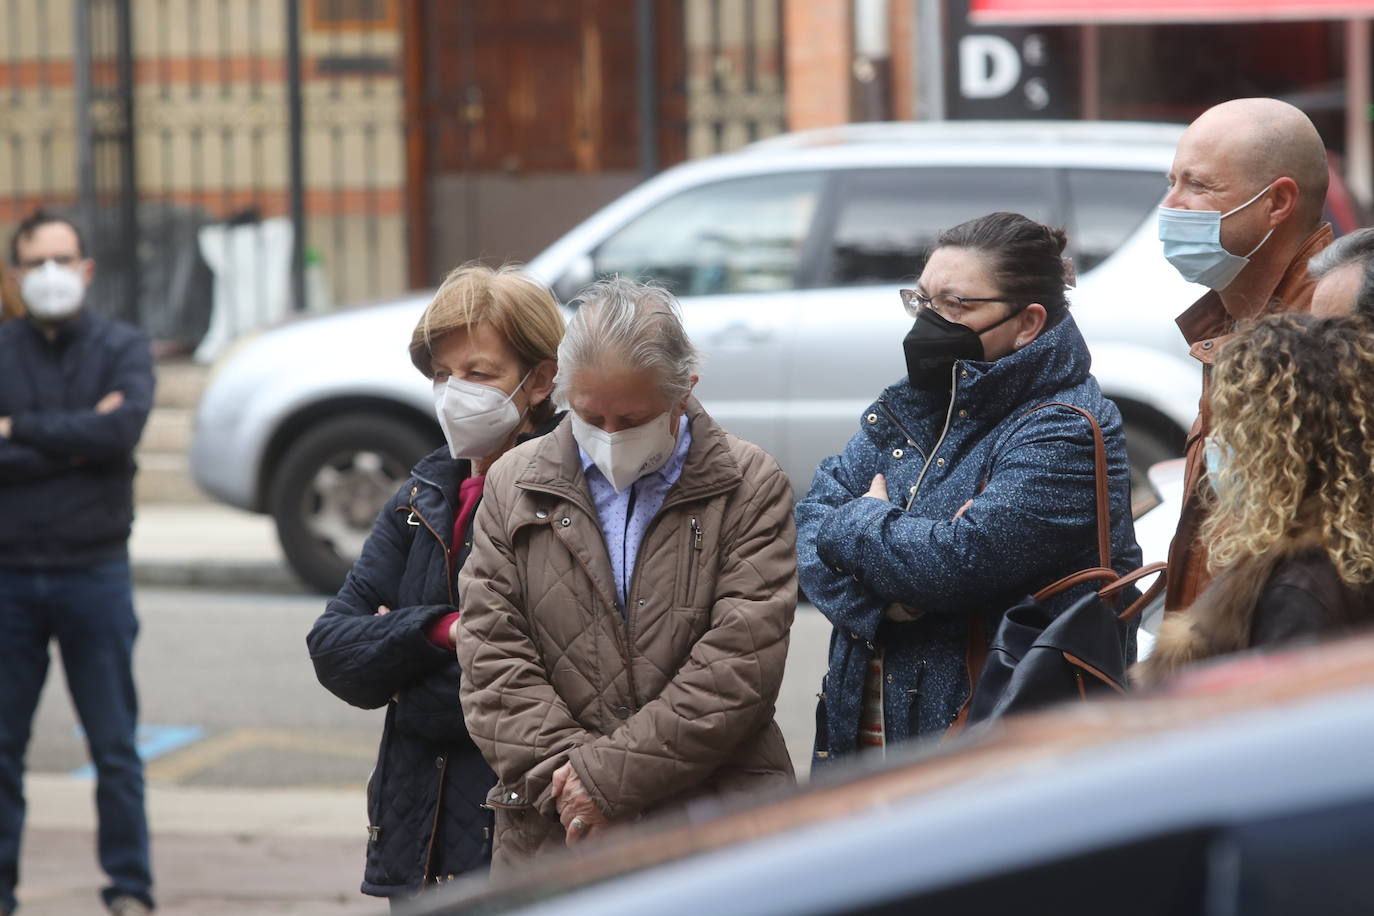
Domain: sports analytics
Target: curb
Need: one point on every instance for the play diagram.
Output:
(235, 577)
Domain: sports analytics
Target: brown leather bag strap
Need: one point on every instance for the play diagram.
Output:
(1150, 594)
(975, 656)
(1104, 506)
(1094, 574)
(975, 652)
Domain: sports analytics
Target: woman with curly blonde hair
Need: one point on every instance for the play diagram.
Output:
(1291, 463)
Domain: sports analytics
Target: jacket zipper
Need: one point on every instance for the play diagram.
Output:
(448, 564)
(949, 415)
(627, 631)
(910, 439)
(434, 826)
(630, 590)
(693, 561)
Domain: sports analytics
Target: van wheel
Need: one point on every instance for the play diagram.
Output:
(331, 484)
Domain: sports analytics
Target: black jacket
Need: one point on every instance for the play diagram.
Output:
(66, 472)
(425, 797)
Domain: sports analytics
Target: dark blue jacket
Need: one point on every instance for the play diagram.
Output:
(1034, 522)
(424, 798)
(67, 472)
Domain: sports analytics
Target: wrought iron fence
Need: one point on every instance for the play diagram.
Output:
(245, 153)
(233, 160)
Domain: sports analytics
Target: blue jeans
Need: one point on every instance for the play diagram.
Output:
(89, 611)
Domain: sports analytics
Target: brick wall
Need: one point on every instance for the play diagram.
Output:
(818, 58)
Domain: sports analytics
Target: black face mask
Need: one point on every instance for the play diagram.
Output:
(933, 345)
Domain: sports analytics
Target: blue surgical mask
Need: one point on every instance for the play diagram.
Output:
(1192, 243)
(1216, 455)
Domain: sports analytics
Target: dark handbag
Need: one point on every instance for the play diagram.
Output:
(1037, 657)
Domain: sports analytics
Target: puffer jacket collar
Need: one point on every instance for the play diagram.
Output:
(1222, 619)
(441, 475)
(556, 468)
(68, 332)
(991, 390)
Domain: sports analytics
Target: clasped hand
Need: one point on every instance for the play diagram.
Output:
(574, 802)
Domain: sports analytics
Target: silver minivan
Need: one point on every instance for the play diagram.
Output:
(787, 257)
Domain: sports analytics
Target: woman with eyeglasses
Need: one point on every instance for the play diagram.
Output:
(953, 500)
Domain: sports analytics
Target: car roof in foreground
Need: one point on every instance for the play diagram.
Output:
(1228, 743)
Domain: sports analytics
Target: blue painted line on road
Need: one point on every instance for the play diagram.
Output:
(153, 741)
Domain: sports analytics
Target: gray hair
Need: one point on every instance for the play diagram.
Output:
(619, 322)
(1352, 248)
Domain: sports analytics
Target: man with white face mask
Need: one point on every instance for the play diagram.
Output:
(75, 392)
(625, 611)
(1243, 215)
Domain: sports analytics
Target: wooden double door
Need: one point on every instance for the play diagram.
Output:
(523, 116)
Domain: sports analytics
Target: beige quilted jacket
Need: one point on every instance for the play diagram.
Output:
(672, 702)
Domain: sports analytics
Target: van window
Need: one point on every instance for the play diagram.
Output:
(1107, 206)
(888, 219)
(739, 236)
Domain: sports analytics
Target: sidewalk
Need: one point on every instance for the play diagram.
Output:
(208, 545)
(216, 852)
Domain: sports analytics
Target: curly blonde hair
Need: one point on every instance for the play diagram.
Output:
(1293, 410)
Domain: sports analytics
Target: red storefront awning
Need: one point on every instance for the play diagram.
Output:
(1074, 12)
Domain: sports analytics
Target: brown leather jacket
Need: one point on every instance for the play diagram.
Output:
(1207, 326)
(670, 703)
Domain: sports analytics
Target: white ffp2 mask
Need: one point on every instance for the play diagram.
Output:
(52, 292)
(477, 419)
(625, 456)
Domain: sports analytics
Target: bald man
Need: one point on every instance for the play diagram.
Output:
(1243, 216)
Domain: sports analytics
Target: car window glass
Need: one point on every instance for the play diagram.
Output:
(1107, 206)
(888, 219)
(738, 236)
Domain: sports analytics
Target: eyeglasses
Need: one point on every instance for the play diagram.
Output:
(939, 303)
(62, 260)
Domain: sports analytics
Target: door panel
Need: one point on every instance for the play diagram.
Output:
(523, 117)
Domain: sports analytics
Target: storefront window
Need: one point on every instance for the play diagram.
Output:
(1175, 72)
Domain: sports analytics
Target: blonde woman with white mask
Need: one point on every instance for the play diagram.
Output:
(489, 342)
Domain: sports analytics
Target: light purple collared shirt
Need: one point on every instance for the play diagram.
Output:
(625, 516)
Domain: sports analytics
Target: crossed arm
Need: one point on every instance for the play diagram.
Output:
(38, 443)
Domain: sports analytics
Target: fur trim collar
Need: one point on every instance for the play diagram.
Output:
(1222, 618)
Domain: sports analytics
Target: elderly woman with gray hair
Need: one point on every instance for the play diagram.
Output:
(626, 607)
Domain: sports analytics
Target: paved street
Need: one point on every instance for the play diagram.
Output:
(241, 741)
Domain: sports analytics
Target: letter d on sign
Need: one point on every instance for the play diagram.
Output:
(989, 66)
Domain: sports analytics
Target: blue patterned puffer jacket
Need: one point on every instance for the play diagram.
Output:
(1034, 522)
